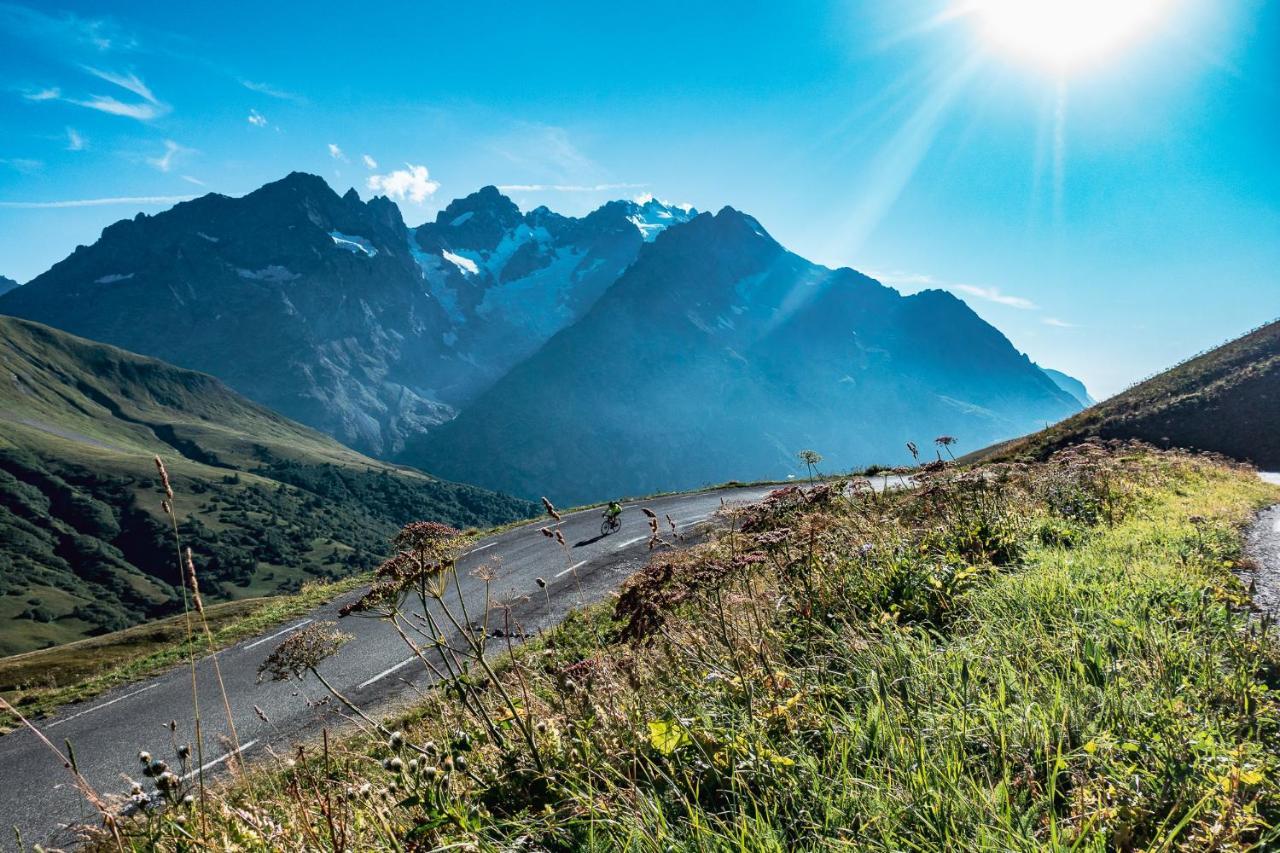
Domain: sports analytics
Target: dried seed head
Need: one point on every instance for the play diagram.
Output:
(648, 512)
(192, 584)
(164, 478)
(303, 650)
(144, 757)
(542, 584)
(551, 510)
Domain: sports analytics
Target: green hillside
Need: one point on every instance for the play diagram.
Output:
(265, 502)
(1226, 400)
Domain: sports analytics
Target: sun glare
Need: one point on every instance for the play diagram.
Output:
(1064, 34)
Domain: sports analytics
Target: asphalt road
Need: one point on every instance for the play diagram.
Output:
(375, 669)
(1262, 546)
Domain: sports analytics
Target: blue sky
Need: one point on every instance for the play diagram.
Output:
(1110, 219)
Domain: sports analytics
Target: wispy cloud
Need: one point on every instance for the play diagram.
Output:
(567, 188)
(257, 119)
(149, 107)
(336, 153)
(25, 165)
(165, 161)
(129, 82)
(411, 183)
(75, 142)
(145, 200)
(272, 91)
(990, 294)
(993, 294)
(193, 180)
(115, 107)
(369, 161)
(64, 28)
(1058, 324)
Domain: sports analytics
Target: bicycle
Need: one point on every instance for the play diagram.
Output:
(611, 524)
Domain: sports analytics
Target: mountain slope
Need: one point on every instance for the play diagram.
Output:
(332, 312)
(719, 354)
(7, 284)
(1071, 385)
(1226, 401)
(265, 502)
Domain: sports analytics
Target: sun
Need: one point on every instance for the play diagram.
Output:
(1064, 34)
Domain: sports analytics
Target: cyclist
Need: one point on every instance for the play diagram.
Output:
(614, 510)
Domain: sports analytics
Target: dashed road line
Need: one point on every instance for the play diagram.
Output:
(103, 705)
(630, 542)
(362, 685)
(571, 568)
(481, 548)
(217, 761)
(277, 634)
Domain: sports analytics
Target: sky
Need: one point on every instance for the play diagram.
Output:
(1112, 211)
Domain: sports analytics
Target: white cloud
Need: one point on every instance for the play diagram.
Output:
(24, 165)
(165, 161)
(1058, 324)
(565, 188)
(336, 153)
(369, 161)
(193, 180)
(99, 202)
(112, 106)
(129, 82)
(75, 142)
(993, 294)
(271, 91)
(257, 119)
(148, 108)
(642, 198)
(411, 183)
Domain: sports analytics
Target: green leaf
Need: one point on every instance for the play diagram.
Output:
(667, 736)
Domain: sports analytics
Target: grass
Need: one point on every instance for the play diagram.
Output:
(40, 681)
(1024, 657)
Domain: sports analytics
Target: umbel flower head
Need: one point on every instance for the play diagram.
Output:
(302, 651)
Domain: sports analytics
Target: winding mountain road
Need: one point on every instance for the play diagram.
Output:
(375, 669)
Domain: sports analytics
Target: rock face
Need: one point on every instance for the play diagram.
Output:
(719, 354)
(509, 281)
(302, 300)
(329, 310)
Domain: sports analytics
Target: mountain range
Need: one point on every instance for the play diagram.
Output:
(643, 346)
(329, 309)
(7, 284)
(264, 502)
(719, 353)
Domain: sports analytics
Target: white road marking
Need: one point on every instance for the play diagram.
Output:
(630, 542)
(571, 568)
(481, 548)
(362, 685)
(100, 707)
(276, 634)
(217, 761)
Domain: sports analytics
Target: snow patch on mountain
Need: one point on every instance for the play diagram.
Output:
(113, 278)
(462, 262)
(356, 245)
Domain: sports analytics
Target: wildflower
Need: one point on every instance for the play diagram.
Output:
(460, 763)
(430, 772)
(424, 535)
(413, 765)
(189, 800)
(429, 747)
(184, 752)
(541, 727)
(397, 741)
(393, 765)
(144, 757)
(135, 788)
(168, 781)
